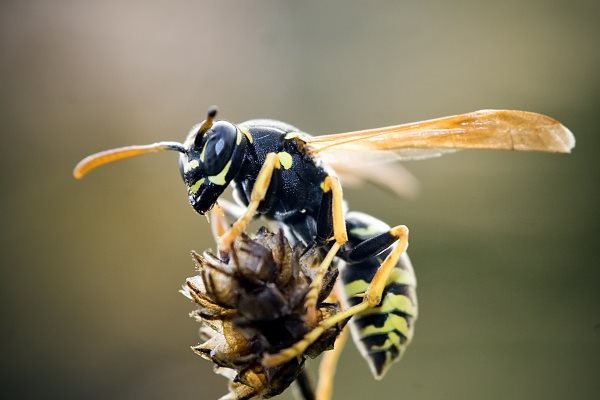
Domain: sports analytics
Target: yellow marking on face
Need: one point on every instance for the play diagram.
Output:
(219, 179)
(285, 159)
(356, 287)
(392, 322)
(191, 165)
(247, 133)
(196, 186)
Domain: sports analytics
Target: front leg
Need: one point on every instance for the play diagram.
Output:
(259, 191)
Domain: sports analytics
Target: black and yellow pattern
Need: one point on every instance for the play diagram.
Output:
(286, 176)
(381, 333)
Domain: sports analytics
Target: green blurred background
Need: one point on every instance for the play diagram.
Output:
(505, 245)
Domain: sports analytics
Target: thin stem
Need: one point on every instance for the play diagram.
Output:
(305, 389)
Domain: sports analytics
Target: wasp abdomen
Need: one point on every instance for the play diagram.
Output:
(381, 333)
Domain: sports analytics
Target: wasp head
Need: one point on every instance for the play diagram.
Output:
(211, 156)
(214, 154)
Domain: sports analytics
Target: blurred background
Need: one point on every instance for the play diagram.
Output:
(504, 244)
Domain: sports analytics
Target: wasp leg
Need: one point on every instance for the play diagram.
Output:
(372, 296)
(259, 192)
(332, 184)
(377, 285)
(231, 210)
(221, 213)
(331, 215)
(218, 222)
(311, 298)
(328, 366)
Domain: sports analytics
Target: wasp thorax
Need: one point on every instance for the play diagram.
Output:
(251, 302)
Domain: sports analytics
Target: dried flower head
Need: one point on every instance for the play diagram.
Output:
(251, 302)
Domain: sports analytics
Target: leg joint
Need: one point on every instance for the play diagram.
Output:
(329, 182)
(399, 231)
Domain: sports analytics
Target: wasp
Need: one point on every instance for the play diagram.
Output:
(285, 175)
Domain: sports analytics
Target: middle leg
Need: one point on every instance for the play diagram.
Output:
(331, 220)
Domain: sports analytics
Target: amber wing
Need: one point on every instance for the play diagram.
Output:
(486, 129)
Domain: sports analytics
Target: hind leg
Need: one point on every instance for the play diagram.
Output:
(328, 365)
(372, 297)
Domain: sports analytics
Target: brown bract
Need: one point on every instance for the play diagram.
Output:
(251, 302)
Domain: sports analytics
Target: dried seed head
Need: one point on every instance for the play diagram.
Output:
(251, 302)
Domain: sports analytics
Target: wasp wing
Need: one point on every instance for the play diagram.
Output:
(375, 168)
(486, 129)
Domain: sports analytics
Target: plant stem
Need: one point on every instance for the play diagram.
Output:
(305, 389)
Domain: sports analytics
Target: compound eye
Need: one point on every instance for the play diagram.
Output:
(219, 147)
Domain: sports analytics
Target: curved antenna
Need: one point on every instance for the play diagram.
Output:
(108, 156)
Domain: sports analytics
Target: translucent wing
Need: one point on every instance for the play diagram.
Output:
(355, 171)
(486, 129)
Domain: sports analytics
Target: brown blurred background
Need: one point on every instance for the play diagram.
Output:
(504, 244)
